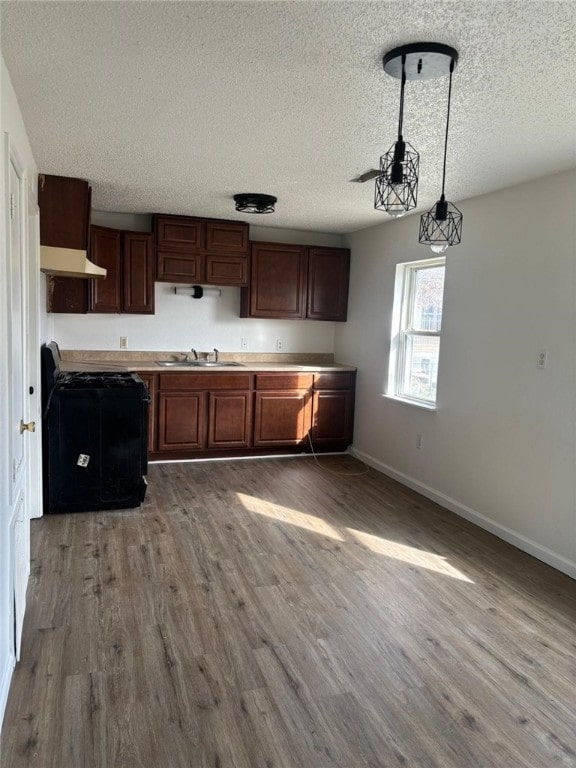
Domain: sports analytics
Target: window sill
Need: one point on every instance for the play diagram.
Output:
(417, 404)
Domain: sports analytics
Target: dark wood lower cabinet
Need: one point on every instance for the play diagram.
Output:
(227, 413)
(332, 418)
(230, 419)
(181, 421)
(281, 418)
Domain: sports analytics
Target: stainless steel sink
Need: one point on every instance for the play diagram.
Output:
(197, 363)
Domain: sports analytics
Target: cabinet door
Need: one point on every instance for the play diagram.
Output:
(328, 278)
(67, 294)
(281, 417)
(229, 420)
(181, 421)
(179, 232)
(150, 380)
(226, 270)
(227, 237)
(276, 284)
(179, 267)
(105, 251)
(137, 273)
(332, 418)
(64, 212)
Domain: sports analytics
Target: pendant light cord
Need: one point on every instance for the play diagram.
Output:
(447, 126)
(403, 81)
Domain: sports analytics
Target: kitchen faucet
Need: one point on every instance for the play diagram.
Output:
(215, 355)
(195, 353)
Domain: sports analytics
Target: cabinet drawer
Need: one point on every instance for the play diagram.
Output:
(181, 381)
(179, 267)
(334, 380)
(226, 270)
(179, 232)
(283, 380)
(227, 237)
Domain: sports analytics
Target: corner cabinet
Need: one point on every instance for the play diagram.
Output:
(295, 282)
(333, 410)
(205, 251)
(129, 284)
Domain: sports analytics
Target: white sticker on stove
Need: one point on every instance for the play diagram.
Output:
(83, 460)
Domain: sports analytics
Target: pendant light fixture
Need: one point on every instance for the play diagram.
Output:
(252, 202)
(396, 187)
(441, 226)
(397, 183)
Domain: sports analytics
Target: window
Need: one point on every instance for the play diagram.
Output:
(417, 321)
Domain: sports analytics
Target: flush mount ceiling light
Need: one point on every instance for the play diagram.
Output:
(396, 189)
(441, 226)
(251, 202)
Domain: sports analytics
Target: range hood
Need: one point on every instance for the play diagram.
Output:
(68, 262)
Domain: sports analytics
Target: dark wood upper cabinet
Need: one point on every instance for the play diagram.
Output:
(64, 205)
(227, 237)
(138, 273)
(205, 251)
(328, 278)
(277, 282)
(179, 267)
(105, 251)
(129, 285)
(297, 282)
(226, 269)
(64, 211)
(179, 232)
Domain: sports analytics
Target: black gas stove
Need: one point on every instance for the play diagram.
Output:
(98, 380)
(95, 437)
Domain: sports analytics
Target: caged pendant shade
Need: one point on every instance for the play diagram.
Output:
(396, 188)
(441, 226)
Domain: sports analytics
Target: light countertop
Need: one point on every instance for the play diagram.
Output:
(79, 360)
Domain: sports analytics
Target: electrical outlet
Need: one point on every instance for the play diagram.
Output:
(243, 343)
(419, 442)
(541, 359)
(123, 342)
(279, 345)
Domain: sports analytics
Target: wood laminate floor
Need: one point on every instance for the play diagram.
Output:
(269, 614)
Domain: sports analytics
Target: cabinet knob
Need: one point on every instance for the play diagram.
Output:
(30, 427)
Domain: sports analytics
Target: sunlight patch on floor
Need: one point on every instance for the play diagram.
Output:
(406, 554)
(290, 516)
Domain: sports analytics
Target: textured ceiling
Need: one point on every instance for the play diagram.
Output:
(176, 106)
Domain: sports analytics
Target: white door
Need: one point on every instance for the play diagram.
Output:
(21, 429)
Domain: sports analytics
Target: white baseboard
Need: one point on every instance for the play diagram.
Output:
(5, 679)
(507, 534)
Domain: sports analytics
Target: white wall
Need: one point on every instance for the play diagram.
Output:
(501, 448)
(12, 124)
(181, 322)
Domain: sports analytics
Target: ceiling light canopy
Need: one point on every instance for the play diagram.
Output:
(252, 202)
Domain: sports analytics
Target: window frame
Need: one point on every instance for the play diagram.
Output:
(403, 330)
